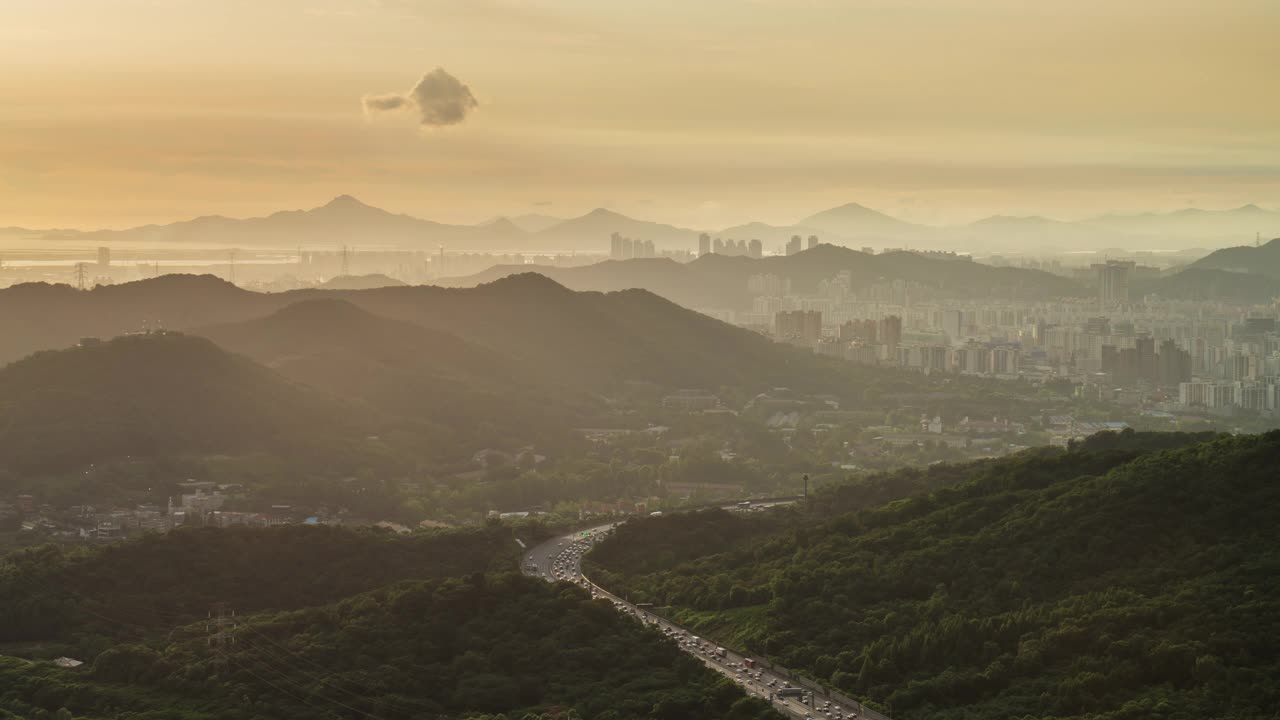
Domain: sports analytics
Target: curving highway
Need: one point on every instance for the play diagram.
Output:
(560, 559)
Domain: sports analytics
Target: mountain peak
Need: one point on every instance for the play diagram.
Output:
(852, 207)
(852, 219)
(526, 283)
(347, 205)
(504, 225)
(345, 201)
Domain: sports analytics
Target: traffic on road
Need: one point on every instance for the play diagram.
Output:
(560, 559)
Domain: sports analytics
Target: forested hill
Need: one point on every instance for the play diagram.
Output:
(1208, 285)
(1075, 584)
(40, 316)
(406, 370)
(331, 623)
(720, 281)
(599, 339)
(72, 595)
(583, 339)
(163, 393)
(1261, 259)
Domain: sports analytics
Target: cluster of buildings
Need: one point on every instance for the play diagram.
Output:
(796, 244)
(625, 248)
(1180, 355)
(750, 248)
(196, 503)
(742, 248)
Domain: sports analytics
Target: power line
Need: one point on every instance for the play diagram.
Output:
(267, 661)
(324, 681)
(259, 678)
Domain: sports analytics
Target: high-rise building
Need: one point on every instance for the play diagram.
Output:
(953, 325)
(1004, 361)
(1110, 362)
(813, 241)
(794, 245)
(890, 330)
(1113, 281)
(755, 249)
(769, 285)
(1174, 363)
(704, 244)
(1145, 352)
(802, 325)
(1098, 326)
(104, 257)
(859, 331)
(972, 359)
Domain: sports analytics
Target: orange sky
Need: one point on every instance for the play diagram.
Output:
(707, 113)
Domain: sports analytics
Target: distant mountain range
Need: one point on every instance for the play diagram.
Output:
(719, 281)
(348, 221)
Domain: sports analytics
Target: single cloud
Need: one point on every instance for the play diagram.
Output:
(439, 98)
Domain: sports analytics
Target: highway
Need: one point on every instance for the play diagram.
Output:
(560, 559)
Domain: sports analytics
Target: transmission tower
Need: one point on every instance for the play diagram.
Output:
(346, 260)
(221, 626)
(233, 266)
(81, 273)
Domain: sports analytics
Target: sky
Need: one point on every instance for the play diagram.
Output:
(703, 113)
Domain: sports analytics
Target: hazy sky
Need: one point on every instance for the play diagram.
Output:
(698, 112)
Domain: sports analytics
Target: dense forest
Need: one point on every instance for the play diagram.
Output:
(331, 623)
(1131, 576)
(410, 371)
(137, 396)
(84, 596)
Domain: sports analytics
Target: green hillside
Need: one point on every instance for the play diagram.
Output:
(1207, 284)
(405, 369)
(1260, 259)
(331, 623)
(601, 340)
(78, 596)
(40, 316)
(1110, 581)
(157, 394)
